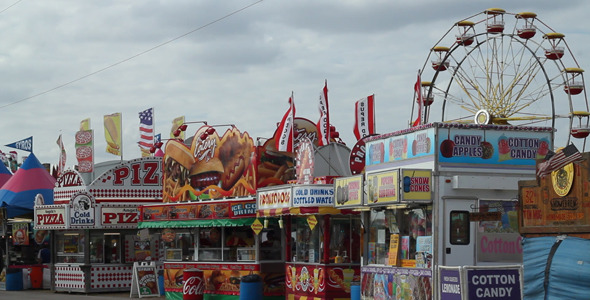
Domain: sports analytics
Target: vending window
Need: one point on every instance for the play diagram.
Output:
(112, 248)
(70, 246)
(345, 240)
(307, 241)
(178, 245)
(379, 234)
(460, 229)
(96, 247)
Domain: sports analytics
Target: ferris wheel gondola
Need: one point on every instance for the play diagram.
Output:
(516, 71)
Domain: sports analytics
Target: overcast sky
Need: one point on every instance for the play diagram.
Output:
(232, 61)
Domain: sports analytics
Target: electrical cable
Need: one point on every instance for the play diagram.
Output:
(129, 58)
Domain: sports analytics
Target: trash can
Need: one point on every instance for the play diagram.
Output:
(14, 279)
(193, 285)
(251, 287)
(355, 290)
(36, 277)
(161, 282)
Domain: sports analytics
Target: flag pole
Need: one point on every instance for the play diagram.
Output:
(121, 133)
(292, 123)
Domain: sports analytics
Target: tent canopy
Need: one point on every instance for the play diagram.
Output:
(5, 174)
(18, 193)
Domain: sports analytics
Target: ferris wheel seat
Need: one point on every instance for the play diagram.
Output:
(496, 27)
(465, 39)
(555, 53)
(440, 65)
(573, 89)
(428, 101)
(526, 32)
(580, 132)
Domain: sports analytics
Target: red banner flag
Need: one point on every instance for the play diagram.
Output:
(418, 91)
(284, 134)
(323, 124)
(364, 117)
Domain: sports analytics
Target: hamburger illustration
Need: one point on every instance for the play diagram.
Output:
(178, 162)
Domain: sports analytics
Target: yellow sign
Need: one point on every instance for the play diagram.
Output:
(416, 185)
(312, 221)
(348, 191)
(256, 226)
(563, 180)
(383, 187)
(393, 250)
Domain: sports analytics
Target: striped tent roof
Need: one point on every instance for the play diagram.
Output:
(18, 193)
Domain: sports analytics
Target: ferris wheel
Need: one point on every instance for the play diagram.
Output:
(504, 68)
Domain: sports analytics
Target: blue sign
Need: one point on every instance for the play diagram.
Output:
(25, 144)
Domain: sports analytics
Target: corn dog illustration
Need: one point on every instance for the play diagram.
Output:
(111, 131)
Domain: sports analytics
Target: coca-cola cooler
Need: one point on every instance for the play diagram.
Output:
(194, 284)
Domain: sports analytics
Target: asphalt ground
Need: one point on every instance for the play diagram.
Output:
(49, 295)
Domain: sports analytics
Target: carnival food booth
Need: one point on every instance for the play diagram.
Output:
(323, 256)
(222, 238)
(440, 199)
(94, 227)
(208, 216)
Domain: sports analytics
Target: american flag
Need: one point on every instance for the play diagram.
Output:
(146, 129)
(559, 160)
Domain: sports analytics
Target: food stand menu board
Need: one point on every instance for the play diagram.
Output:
(145, 280)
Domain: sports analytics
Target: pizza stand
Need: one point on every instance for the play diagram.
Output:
(94, 226)
(321, 261)
(443, 195)
(220, 237)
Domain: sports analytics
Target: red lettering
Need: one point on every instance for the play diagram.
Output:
(120, 175)
(135, 179)
(120, 218)
(151, 176)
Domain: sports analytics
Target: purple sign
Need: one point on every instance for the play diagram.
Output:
(493, 284)
(450, 284)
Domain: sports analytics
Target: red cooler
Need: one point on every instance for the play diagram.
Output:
(36, 277)
(194, 284)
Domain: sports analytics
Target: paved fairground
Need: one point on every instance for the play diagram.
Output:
(49, 295)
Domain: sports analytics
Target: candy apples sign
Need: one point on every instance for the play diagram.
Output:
(506, 147)
(212, 167)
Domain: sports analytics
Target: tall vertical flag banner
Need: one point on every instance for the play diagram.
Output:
(560, 159)
(284, 134)
(175, 124)
(418, 93)
(61, 165)
(24, 144)
(85, 150)
(146, 131)
(112, 133)
(323, 124)
(85, 124)
(364, 117)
